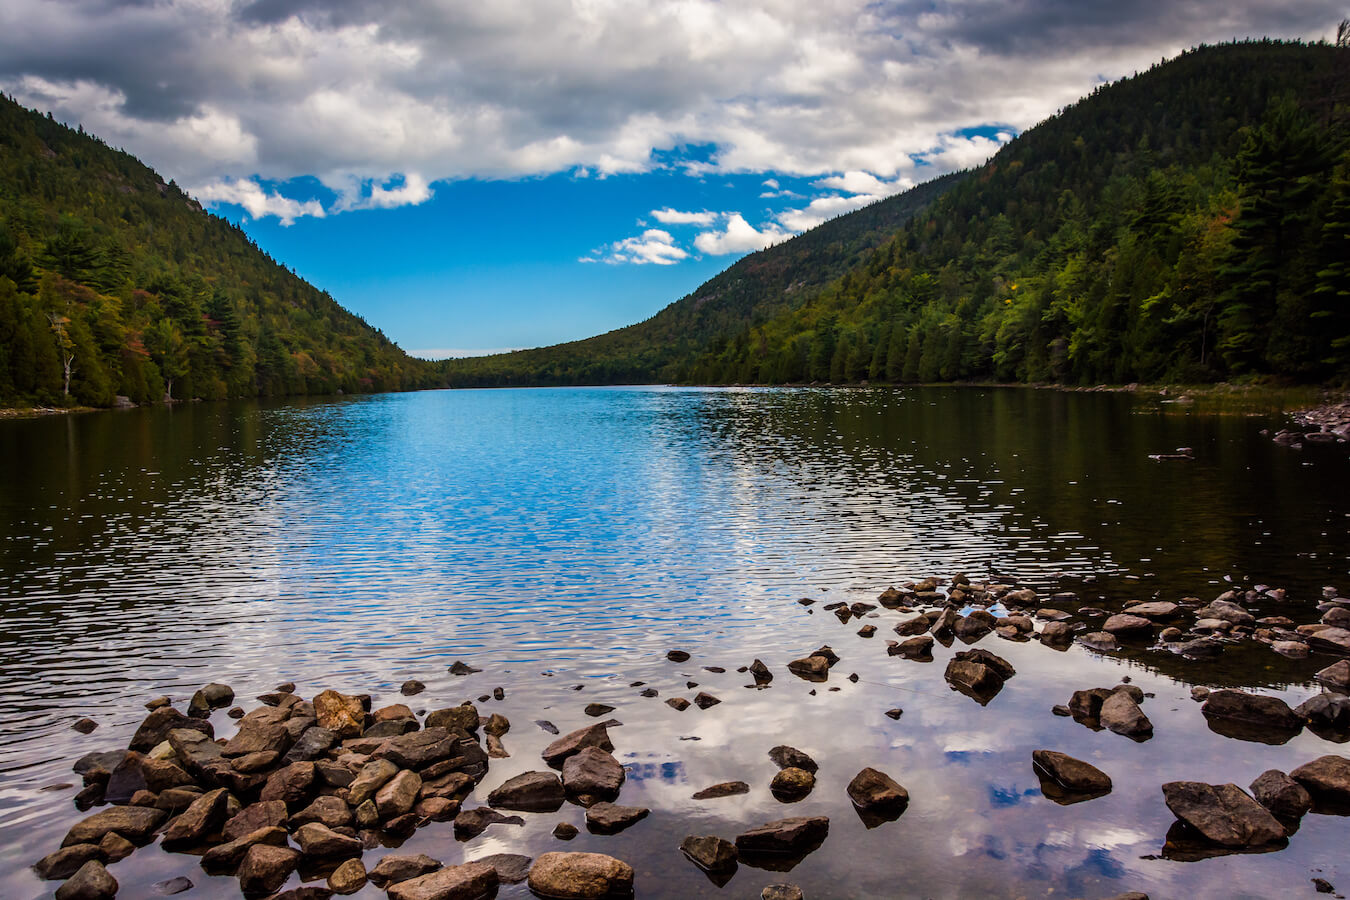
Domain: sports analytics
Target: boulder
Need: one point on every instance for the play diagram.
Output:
(1068, 775)
(580, 876)
(313, 743)
(781, 892)
(463, 717)
(574, 742)
(974, 679)
(397, 795)
(792, 836)
(199, 821)
(1158, 609)
(371, 778)
(610, 818)
(341, 714)
(1250, 717)
(348, 878)
(400, 867)
(875, 791)
(593, 772)
(530, 792)
(914, 648)
(321, 842)
(1326, 712)
(226, 858)
(1228, 611)
(135, 823)
(1122, 715)
(293, 785)
(678, 703)
(172, 886)
(785, 757)
(420, 749)
(67, 861)
(263, 814)
(709, 852)
(810, 668)
(1336, 676)
(1224, 814)
(330, 811)
(1100, 641)
(760, 672)
(213, 696)
(792, 784)
(1281, 794)
(265, 868)
(512, 868)
(90, 882)
(1327, 779)
(704, 700)
(1127, 625)
(155, 728)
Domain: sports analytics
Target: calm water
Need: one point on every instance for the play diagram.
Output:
(564, 538)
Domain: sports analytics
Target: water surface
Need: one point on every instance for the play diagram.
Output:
(565, 538)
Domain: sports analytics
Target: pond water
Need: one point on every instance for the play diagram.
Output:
(564, 540)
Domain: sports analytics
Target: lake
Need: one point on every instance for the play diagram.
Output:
(563, 540)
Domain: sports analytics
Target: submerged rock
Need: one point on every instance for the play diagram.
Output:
(472, 822)
(1224, 814)
(710, 852)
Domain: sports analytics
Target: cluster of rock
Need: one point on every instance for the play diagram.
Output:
(1325, 424)
(1214, 819)
(310, 785)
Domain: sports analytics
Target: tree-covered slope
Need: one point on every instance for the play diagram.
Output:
(752, 290)
(1191, 223)
(113, 282)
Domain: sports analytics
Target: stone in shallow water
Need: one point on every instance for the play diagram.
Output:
(67, 861)
(1327, 779)
(1067, 775)
(91, 882)
(472, 822)
(574, 742)
(530, 792)
(401, 867)
(1250, 717)
(792, 784)
(781, 892)
(1280, 794)
(709, 852)
(875, 791)
(348, 878)
(265, 868)
(136, 823)
(724, 789)
(792, 836)
(677, 656)
(594, 773)
(610, 818)
(580, 876)
(785, 757)
(1122, 715)
(1224, 814)
(469, 881)
(172, 886)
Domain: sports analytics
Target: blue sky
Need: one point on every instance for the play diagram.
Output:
(473, 177)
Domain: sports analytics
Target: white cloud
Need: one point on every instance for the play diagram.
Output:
(259, 203)
(670, 216)
(357, 193)
(739, 236)
(453, 89)
(771, 183)
(861, 188)
(653, 246)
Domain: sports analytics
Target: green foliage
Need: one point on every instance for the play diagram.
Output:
(1191, 223)
(113, 282)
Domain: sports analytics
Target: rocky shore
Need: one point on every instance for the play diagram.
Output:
(304, 788)
(1328, 423)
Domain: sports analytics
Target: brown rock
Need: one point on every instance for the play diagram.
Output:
(225, 858)
(265, 868)
(199, 821)
(678, 703)
(472, 822)
(580, 876)
(372, 777)
(1327, 779)
(609, 818)
(419, 749)
(464, 718)
(397, 796)
(263, 814)
(348, 878)
(321, 842)
(155, 728)
(1282, 795)
(786, 757)
(1071, 775)
(576, 741)
(874, 791)
(1125, 624)
(724, 789)
(115, 847)
(593, 772)
(710, 852)
(1223, 813)
(792, 784)
(293, 785)
(512, 868)
(340, 714)
(790, 836)
(395, 868)
(67, 861)
(1336, 675)
(258, 737)
(1119, 713)
(531, 791)
(91, 882)
(135, 823)
(810, 668)
(330, 811)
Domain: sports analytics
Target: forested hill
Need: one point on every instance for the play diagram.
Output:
(113, 282)
(1191, 223)
(752, 290)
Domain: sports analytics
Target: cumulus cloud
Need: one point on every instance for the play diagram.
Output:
(652, 247)
(456, 89)
(670, 216)
(258, 202)
(738, 236)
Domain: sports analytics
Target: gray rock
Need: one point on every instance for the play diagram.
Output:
(1326, 712)
(172, 886)
(1282, 795)
(1251, 716)
(91, 882)
(530, 792)
(213, 696)
(1224, 814)
(313, 743)
(512, 868)
(1336, 676)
